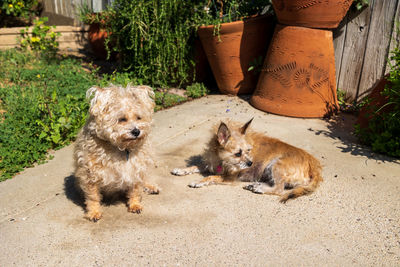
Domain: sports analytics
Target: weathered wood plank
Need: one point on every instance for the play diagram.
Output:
(395, 38)
(339, 35)
(353, 51)
(49, 6)
(377, 45)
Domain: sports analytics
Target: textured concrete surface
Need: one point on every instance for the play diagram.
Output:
(352, 219)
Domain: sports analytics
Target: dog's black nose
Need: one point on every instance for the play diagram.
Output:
(249, 163)
(135, 132)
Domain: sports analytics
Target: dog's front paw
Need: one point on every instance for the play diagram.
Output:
(151, 189)
(178, 172)
(93, 216)
(135, 208)
(196, 185)
(255, 188)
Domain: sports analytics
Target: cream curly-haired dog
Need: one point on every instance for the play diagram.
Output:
(112, 151)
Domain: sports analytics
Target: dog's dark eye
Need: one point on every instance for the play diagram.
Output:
(138, 118)
(122, 119)
(239, 153)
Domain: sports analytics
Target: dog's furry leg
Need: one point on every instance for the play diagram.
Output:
(263, 188)
(93, 198)
(185, 171)
(134, 198)
(209, 180)
(151, 189)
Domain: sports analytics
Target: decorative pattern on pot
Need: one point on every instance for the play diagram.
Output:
(311, 13)
(298, 75)
(232, 50)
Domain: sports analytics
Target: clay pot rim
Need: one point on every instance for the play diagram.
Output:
(246, 20)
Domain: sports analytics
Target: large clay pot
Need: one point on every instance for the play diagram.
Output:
(377, 103)
(298, 75)
(232, 50)
(97, 37)
(311, 13)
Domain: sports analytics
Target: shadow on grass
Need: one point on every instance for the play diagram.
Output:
(341, 128)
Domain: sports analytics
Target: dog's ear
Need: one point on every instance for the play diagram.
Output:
(144, 93)
(149, 90)
(95, 103)
(244, 128)
(223, 134)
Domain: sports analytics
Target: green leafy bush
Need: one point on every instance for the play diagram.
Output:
(18, 8)
(43, 106)
(42, 38)
(155, 38)
(383, 131)
(17, 12)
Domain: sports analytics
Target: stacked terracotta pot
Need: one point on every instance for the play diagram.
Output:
(298, 75)
(230, 49)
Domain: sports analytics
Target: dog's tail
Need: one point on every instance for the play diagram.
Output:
(316, 178)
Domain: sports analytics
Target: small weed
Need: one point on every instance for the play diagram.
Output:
(42, 39)
(196, 90)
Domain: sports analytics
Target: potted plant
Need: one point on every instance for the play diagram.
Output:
(235, 33)
(98, 29)
(298, 75)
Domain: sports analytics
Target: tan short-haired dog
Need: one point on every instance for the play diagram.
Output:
(112, 151)
(236, 153)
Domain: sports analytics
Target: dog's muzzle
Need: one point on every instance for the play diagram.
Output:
(135, 132)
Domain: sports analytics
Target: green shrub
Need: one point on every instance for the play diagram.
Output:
(18, 8)
(42, 39)
(155, 38)
(16, 13)
(43, 106)
(383, 131)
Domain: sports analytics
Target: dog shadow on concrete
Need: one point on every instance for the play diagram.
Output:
(198, 161)
(75, 194)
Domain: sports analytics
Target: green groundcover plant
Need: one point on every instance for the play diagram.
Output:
(42, 104)
(383, 131)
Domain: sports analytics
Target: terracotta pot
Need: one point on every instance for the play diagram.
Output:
(97, 37)
(231, 52)
(311, 13)
(377, 100)
(202, 70)
(298, 75)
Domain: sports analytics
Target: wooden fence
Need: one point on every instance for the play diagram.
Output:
(362, 44)
(64, 12)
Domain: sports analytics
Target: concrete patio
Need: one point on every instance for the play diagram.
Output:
(352, 219)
